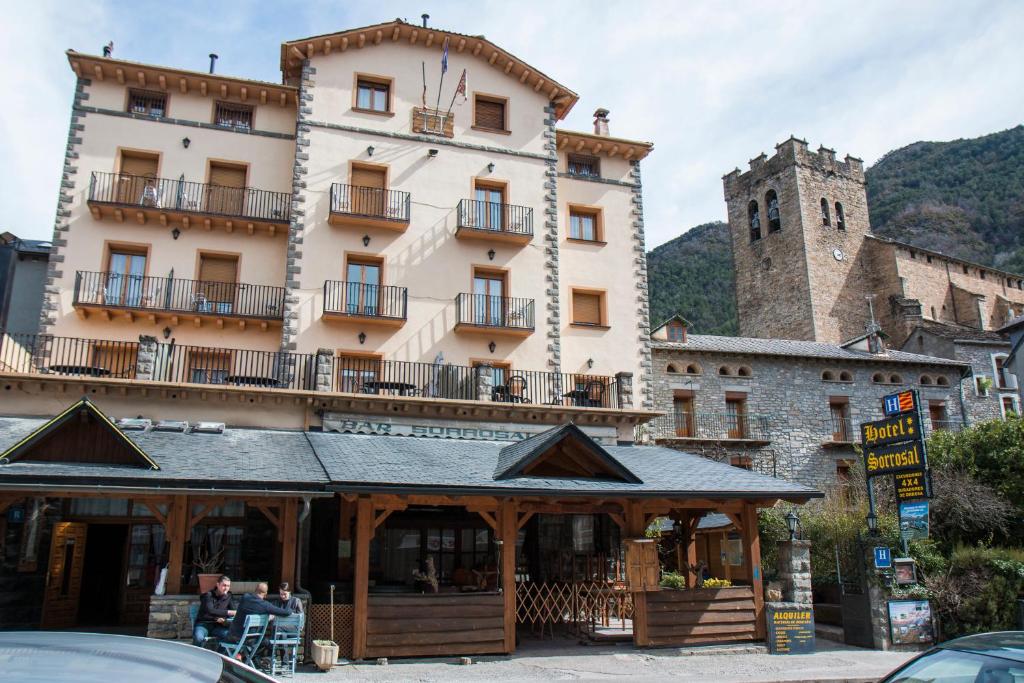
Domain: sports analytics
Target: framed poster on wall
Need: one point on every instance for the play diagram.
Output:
(910, 622)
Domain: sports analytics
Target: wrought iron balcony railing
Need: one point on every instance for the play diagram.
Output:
(204, 365)
(495, 217)
(483, 310)
(174, 295)
(182, 196)
(371, 202)
(712, 426)
(359, 300)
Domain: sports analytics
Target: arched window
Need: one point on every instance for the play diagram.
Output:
(693, 369)
(827, 376)
(895, 379)
(878, 378)
(826, 219)
(754, 214)
(771, 200)
(942, 381)
(671, 369)
(925, 379)
(744, 371)
(840, 217)
(845, 376)
(724, 370)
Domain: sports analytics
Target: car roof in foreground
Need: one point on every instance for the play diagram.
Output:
(1005, 644)
(47, 656)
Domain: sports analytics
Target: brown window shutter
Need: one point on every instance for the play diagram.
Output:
(137, 164)
(490, 114)
(586, 308)
(218, 269)
(368, 177)
(227, 176)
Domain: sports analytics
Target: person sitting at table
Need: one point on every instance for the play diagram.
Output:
(214, 612)
(253, 603)
(286, 599)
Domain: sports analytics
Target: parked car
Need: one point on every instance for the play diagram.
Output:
(50, 656)
(981, 658)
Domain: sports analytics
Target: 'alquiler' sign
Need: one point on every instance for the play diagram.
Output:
(895, 458)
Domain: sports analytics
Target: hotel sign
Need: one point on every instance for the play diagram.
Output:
(903, 402)
(914, 485)
(386, 425)
(897, 458)
(896, 429)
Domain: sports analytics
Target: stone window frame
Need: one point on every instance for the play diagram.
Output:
(826, 216)
(925, 380)
(942, 381)
(838, 376)
(744, 371)
(725, 371)
(694, 369)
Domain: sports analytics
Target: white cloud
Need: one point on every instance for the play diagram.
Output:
(712, 84)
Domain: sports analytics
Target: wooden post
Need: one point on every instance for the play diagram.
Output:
(691, 550)
(360, 586)
(636, 525)
(289, 538)
(752, 549)
(177, 530)
(508, 523)
(723, 555)
(345, 513)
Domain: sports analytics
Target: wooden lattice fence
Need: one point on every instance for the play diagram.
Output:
(585, 604)
(318, 626)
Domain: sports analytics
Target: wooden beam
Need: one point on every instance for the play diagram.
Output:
(120, 75)
(508, 517)
(477, 48)
(461, 46)
(297, 53)
(289, 523)
(538, 85)
(198, 517)
(361, 40)
(523, 519)
(162, 80)
(414, 36)
(380, 517)
(396, 34)
(523, 76)
(328, 46)
(203, 86)
(489, 518)
(379, 36)
(142, 78)
(736, 519)
(635, 528)
(430, 39)
(265, 509)
(183, 85)
(752, 551)
(177, 522)
(360, 585)
(344, 43)
(508, 66)
(493, 58)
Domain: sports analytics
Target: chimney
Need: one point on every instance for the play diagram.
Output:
(213, 61)
(601, 122)
(108, 49)
(425, 16)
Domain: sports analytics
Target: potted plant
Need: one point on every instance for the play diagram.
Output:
(208, 566)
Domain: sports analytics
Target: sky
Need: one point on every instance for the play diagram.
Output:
(712, 84)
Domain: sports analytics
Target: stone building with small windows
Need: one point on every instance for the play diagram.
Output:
(808, 268)
(788, 408)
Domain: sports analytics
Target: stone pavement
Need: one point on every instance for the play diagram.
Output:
(564, 660)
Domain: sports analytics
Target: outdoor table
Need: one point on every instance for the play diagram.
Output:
(90, 370)
(579, 397)
(376, 387)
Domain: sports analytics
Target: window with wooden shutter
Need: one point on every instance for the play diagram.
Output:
(489, 113)
(368, 190)
(138, 172)
(586, 308)
(643, 569)
(226, 193)
(217, 288)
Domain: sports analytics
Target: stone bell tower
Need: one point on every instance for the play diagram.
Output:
(797, 223)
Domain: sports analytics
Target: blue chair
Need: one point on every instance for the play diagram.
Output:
(193, 612)
(285, 638)
(253, 630)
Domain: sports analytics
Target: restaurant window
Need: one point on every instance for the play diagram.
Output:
(354, 371)
(461, 551)
(233, 115)
(584, 166)
(147, 102)
(147, 554)
(736, 416)
(839, 412)
(584, 224)
(373, 94)
(587, 308)
(676, 332)
(489, 113)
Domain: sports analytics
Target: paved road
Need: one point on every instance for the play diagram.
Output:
(563, 660)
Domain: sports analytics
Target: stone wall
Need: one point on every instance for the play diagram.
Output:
(169, 616)
(794, 399)
(795, 571)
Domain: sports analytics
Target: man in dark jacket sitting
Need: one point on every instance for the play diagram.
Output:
(253, 603)
(214, 611)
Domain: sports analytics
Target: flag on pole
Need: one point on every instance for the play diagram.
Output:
(460, 89)
(444, 58)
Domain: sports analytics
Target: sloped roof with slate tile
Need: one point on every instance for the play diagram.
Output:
(754, 346)
(712, 520)
(403, 464)
(238, 458)
(961, 333)
(515, 457)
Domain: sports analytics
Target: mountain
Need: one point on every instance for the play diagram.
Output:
(964, 198)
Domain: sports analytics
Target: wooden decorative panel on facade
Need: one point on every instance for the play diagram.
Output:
(419, 625)
(433, 121)
(643, 570)
(712, 615)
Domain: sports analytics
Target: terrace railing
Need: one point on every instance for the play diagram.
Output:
(496, 217)
(712, 426)
(359, 299)
(483, 310)
(371, 202)
(189, 197)
(119, 290)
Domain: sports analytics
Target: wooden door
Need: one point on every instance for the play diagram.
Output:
(368, 191)
(489, 301)
(218, 277)
(125, 279)
(683, 410)
(736, 418)
(362, 295)
(64, 575)
(137, 172)
(226, 193)
(840, 421)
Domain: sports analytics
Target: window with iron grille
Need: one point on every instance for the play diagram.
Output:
(233, 115)
(147, 102)
(584, 166)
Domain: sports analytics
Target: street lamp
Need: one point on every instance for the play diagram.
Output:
(792, 521)
(872, 523)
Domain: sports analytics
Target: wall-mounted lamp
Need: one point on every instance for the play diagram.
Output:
(872, 524)
(490, 167)
(491, 254)
(432, 152)
(369, 150)
(792, 521)
(590, 363)
(185, 142)
(362, 337)
(492, 346)
(176, 233)
(366, 240)
(167, 332)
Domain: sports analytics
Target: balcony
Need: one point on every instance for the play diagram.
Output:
(479, 220)
(843, 432)
(369, 207)
(482, 313)
(87, 359)
(117, 295)
(741, 428)
(126, 197)
(366, 304)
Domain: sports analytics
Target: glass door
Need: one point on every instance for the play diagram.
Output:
(362, 291)
(489, 205)
(488, 291)
(124, 281)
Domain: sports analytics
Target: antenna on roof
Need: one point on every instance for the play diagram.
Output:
(108, 49)
(213, 61)
(425, 17)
